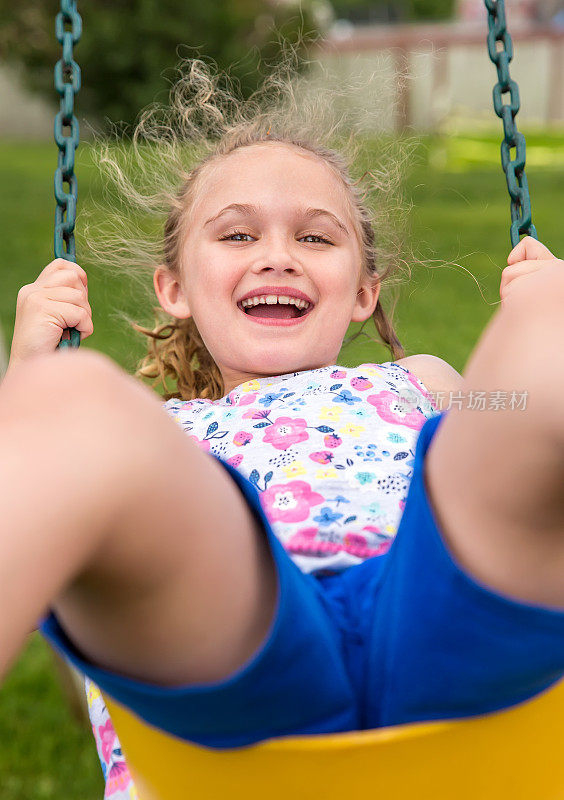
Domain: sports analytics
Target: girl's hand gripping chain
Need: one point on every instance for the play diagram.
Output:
(57, 300)
(526, 257)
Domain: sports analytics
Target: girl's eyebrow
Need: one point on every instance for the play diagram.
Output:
(248, 210)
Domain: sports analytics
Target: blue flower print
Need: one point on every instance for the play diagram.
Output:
(270, 398)
(339, 499)
(326, 516)
(359, 412)
(395, 437)
(370, 454)
(374, 508)
(365, 477)
(345, 396)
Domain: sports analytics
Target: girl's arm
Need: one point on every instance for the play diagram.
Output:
(527, 257)
(435, 374)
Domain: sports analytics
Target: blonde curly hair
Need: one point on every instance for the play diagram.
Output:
(154, 179)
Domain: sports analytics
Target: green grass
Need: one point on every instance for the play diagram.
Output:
(460, 217)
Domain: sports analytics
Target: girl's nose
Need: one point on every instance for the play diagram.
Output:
(278, 254)
(278, 258)
(279, 266)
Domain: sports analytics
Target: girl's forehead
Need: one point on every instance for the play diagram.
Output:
(286, 173)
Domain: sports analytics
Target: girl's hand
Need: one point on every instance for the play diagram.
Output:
(57, 300)
(526, 257)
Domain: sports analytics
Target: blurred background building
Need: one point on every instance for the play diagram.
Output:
(416, 64)
(435, 71)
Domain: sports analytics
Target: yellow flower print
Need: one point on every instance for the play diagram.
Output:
(352, 430)
(249, 386)
(133, 792)
(331, 412)
(93, 693)
(294, 469)
(391, 529)
(327, 472)
(371, 371)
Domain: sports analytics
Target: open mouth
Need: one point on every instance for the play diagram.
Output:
(275, 311)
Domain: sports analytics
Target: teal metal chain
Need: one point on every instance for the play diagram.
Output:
(67, 84)
(521, 216)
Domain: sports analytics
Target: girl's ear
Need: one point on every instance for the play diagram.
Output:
(366, 299)
(169, 293)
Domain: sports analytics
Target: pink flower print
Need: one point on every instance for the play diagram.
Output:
(289, 502)
(384, 543)
(338, 373)
(244, 400)
(241, 438)
(234, 461)
(361, 383)
(323, 457)
(302, 541)
(247, 399)
(118, 778)
(401, 505)
(309, 533)
(332, 440)
(396, 410)
(202, 443)
(285, 432)
(107, 737)
(419, 386)
(256, 413)
(354, 541)
(372, 529)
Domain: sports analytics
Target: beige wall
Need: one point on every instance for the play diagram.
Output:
(449, 71)
(23, 115)
(446, 78)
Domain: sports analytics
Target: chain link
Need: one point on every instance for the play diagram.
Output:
(517, 185)
(67, 84)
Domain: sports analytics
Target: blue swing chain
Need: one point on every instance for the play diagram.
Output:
(67, 84)
(517, 185)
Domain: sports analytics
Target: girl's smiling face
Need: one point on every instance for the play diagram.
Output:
(269, 216)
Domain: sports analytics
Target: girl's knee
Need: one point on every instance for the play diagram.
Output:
(60, 381)
(61, 366)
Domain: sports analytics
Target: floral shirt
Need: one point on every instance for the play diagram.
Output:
(329, 450)
(331, 453)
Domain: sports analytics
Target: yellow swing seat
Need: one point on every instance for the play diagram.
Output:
(516, 754)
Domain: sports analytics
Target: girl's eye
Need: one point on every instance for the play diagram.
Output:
(312, 236)
(230, 236)
(316, 236)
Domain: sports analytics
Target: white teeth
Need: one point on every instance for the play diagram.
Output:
(272, 299)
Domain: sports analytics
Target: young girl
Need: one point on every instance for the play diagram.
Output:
(294, 547)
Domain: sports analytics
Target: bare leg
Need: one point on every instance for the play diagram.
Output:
(496, 477)
(142, 544)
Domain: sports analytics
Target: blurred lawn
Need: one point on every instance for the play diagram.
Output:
(460, 216)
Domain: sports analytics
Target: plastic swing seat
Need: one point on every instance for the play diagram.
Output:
(516, 754)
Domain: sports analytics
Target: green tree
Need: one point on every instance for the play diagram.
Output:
(393, 10)
(129, 48)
